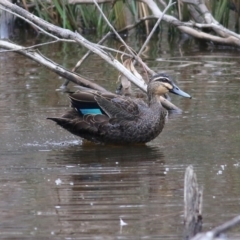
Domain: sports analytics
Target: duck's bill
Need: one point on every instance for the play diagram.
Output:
(178, 91)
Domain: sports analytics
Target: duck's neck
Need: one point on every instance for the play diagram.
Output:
(154, 100)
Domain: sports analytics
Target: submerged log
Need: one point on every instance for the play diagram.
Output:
(192, 204)
(193, 212)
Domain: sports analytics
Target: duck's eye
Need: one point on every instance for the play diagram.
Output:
(164, 80)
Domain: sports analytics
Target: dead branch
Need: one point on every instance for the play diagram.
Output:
(216, 232)
(199, 13)
(192, 204)
(60, 34)
(226, 226)
(155, 27)
(226, 36)
(37, 57)
(73, 77)
(88, 1)
(67, 34)
(136, 57)
(83, 59)
(193, 211)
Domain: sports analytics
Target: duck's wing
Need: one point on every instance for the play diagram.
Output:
(119, 107)
(114, 106)
(85, 103)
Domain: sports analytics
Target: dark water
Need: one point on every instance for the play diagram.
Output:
(54, 186)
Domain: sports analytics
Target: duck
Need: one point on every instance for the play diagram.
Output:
(108, 118)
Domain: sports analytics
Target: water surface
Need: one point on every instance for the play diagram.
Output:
(55, 186)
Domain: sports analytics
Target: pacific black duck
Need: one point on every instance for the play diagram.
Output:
(110, 118)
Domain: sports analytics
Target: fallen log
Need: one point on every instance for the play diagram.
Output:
(193, 212)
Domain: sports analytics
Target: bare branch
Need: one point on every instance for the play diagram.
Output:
(37, 45)
(131, 26)
(211, 235)
(37, 57)
(154, 28)
(61, 34)
(113, 29)
(88, 1)
(230, 38)
(83, 59)
(31, 23)
(137, 58)
(226, 226)
(67, 34)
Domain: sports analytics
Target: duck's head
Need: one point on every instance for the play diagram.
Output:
(161, 84)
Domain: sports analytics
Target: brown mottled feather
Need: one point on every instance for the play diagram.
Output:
(123, 120)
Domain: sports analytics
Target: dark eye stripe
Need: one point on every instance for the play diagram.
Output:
(162, 79)
(165, 80)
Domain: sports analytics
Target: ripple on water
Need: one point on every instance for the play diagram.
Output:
(54, 185)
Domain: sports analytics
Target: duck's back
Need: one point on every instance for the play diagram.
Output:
(144, 128)
(113, 119)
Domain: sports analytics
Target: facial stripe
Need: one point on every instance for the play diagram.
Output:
(168, 86)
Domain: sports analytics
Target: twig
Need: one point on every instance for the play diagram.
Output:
(31, 23)
(136, 57)
(226, 226)
(64, 33)
(89, 52)
(229, 39)
(64, 85)
(213, 26)
(39, 58)
(113, 29)
(115, 51)
(155, 26)
(67, 34)
(131, 26)
(216, 232)
(37, 45)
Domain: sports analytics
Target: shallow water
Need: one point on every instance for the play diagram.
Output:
(55, 186)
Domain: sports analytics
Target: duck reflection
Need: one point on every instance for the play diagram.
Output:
(101, 184)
